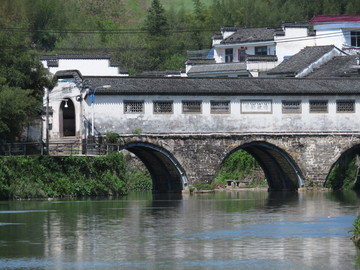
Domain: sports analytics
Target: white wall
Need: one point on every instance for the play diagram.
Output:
(87, 67)
(294, 41)
(337, 34)
(109, 116)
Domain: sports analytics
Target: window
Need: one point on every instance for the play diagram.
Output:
(191, 106)
(133, 106)
(220, 106)
(261, 50)
(318, 106)
(242, 55)
(345, 106)
(163, 107)
(229, 55)
(355, 39)
(291, 106)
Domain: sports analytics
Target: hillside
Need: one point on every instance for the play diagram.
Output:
(118, 26)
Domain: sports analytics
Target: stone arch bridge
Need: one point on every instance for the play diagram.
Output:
(289, 161)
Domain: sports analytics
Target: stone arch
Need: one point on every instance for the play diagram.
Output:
(347, 153)
(166, 172)
(280, 169)
(67, 118)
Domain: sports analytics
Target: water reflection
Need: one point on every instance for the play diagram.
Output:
(247, 230)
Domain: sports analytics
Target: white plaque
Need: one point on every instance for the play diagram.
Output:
(256, 106)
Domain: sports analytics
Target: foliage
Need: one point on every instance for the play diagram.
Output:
(138, 180)
(46, 176)
(356, 232)
(203, 186)
(343, 174)
(168, 28)
(112, 137)
(156, 22)
(239, 165)
(17, 108)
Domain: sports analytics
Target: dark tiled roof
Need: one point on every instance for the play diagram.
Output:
(68, 74)
(198, 61)
(339, 66)
(160, 73)
(296, 24)
(225, 86)
(262, 58)
(301, 60)
(245, 35)
(226, 67)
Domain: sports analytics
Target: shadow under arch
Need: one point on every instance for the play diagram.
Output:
(280, 170)
(344, 159)
(167, 174)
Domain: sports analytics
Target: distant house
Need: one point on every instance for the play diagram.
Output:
(343, 31)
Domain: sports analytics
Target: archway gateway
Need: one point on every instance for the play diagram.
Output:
(67, 118)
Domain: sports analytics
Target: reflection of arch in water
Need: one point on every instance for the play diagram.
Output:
(67, 118)
(166, 172)
(280, 170)
(344, 159)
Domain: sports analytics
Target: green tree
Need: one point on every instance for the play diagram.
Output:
(156, 22)
(47, 22)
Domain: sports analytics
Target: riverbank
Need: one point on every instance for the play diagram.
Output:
(24, 177)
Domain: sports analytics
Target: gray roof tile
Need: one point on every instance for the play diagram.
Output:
(217, 67)
(301, 60)
(246, 35)
(225, 86)
(339, 66)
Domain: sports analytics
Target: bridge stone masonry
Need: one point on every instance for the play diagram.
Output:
(289, 161)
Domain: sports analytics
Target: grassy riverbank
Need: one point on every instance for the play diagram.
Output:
(45, 176)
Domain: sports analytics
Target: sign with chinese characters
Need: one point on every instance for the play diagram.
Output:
(256, 106)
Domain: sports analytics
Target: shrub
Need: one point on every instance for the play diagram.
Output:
(356, 232)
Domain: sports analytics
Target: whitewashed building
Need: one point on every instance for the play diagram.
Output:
(202, 105)
(258, 50)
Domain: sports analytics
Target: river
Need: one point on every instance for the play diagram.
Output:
(224, 230)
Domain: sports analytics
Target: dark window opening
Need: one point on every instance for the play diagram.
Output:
(229, 55)
(355, 39)
(261, 50)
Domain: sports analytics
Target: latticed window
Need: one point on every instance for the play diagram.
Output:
(291, 106)
(345, 106)
(318, 106)
(191, 106)
(220, 106)
(163, 107)
(133, 106)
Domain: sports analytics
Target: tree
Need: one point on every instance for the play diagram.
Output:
(47, 22)
(156, 23)
(22, 83)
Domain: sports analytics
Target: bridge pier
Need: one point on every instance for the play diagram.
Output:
(288, 161)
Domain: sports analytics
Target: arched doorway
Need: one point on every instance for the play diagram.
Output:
(280, 170)
(167, 174)
(67, 118)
